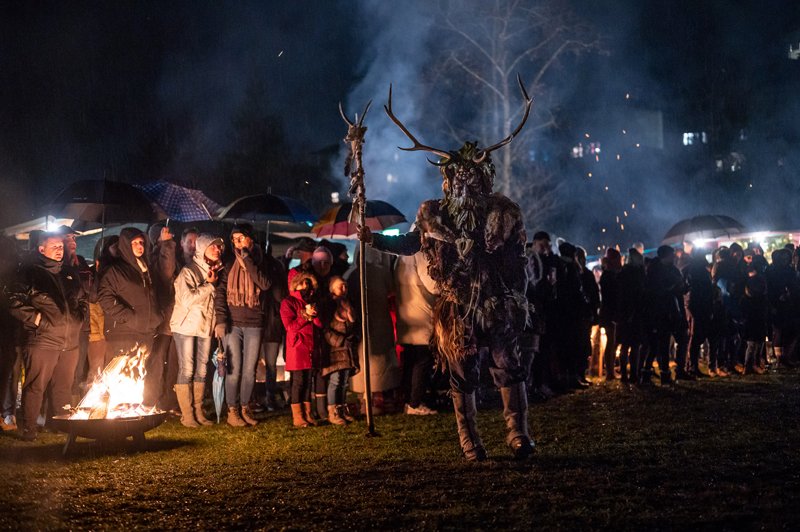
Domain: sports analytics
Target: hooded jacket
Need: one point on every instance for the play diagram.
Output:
(127, 294)
(193, 314)
(54, 292)
(300, 330)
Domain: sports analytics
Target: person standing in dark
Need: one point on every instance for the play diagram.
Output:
(10, 340)
(274, 332)
(630, 327)
(728, 278)
(699, 302)
(239, 309)
(755, 314)
(541, 293)
(609, 309)
(50, 302)
(783, 291)
(131, 312)
(664, 287)
(591, 292)
(571, 306)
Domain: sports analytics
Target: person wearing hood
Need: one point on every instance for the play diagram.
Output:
(239, 301)
(131, 313)
(50, 302)
(303, 325)
(192, 325)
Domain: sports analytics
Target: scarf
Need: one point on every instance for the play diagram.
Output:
(242, 291)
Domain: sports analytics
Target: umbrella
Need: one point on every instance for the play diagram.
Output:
(100, 203)
(181, 203)
(335, 223)
(705, 226)
(267, 208)
(218, 386)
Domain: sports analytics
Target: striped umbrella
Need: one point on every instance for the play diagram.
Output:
(335, 222)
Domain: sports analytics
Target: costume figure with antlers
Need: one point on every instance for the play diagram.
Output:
(474, 241)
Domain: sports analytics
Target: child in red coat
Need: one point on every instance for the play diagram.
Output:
(303, 325)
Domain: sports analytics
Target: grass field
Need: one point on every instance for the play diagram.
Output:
(712, 454)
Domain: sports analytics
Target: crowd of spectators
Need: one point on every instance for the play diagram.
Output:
(63, 319)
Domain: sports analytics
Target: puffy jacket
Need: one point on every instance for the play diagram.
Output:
(193, 313)
(55, 292)
(127, 294)
(300, 331)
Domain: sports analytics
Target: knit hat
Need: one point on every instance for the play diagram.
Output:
(245, 229)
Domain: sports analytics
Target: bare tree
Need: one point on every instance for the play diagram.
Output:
(483, 46)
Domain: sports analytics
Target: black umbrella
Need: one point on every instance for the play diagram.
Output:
(705, 226)
(96, 202)
(267, 208)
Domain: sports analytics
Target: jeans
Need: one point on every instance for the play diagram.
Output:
(241, 346)
(337, 386)
(193, 354)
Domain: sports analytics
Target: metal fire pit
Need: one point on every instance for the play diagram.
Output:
(107, 429)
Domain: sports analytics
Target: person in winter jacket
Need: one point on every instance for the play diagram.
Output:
(130, 307)
(665, 288)
(274, 332)
(303, 324)
(755, 313)
(699, 302)
(239, 314)
(609, 310)
(192, 326)
(340, 335)
(50, 302)
(630, 327)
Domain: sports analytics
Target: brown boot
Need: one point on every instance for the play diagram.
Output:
(309, 415)
(298, 419)
(184, 394)
(343, 413)
(198, 390)
(333, 416)
(247, 416)
(234, 419)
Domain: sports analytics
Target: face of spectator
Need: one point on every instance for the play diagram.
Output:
(189, 244)
(137, 246)
(213, 252)
(338, 288)
(542, 247)
(70, 245)
(241, 241)
(52, 248)
(321, 262)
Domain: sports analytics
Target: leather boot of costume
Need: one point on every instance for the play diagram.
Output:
(515, 412)
(471, 444)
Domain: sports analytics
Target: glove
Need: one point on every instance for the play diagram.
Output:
(219, 330)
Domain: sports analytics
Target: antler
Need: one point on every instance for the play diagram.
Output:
(528, 102)
(417, 145)
(359, 121)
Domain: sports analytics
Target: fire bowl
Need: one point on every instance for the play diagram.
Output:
(107, 429)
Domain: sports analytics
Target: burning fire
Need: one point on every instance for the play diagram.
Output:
(118, 391)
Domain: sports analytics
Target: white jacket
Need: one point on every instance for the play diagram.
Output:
(415, 298)
(193, 314)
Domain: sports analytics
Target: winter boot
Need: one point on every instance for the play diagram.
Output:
(515, 412)
(344, 414)
(198, 390)
(247, 416)
(298, 418)
(234, 419)
(471, 444)
(184, 394)
(333, 416)
(307, 412)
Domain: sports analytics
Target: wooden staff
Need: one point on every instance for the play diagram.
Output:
(358, 214)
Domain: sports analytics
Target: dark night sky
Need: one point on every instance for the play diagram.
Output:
(85, 82)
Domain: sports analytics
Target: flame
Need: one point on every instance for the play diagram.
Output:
(118, 391)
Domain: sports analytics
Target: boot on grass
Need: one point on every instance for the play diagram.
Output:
(198, 390)
(298, 417)
(184, 394)
(234, 419)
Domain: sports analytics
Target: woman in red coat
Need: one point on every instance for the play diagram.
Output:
(303, 325)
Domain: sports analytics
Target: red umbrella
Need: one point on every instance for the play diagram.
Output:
(335, 222)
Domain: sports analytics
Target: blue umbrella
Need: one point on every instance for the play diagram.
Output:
(219, 379)
(181, 203)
